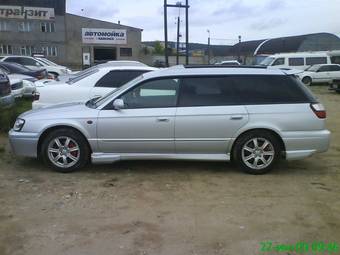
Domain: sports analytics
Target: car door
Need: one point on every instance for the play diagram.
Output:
(335, 72)
(323, 74)
(145, 124)
(208, 115)
(112, 80)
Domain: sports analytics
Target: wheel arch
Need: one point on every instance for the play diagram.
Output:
(270, 130)
(52, 128)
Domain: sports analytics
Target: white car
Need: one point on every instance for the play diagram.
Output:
(36, 63)
(17, 86)
(94, 83)
(229, 63)
(320, 74)
(28, 83)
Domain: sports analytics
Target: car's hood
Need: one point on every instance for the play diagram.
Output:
(45, 82)
(13, 79)
(61, 111)
(20, 76)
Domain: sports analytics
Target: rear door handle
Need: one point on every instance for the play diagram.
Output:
(163, 119)
(236, 117)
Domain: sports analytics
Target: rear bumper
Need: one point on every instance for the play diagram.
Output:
(302, 144)
(24, 144)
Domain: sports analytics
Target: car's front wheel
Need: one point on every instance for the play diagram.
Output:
(65, 150)
(307, 81)
(256, 152)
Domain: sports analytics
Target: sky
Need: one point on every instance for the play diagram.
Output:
(225, 19)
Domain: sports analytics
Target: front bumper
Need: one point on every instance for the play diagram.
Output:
(24, 144)
(7, 101)
(303, 144)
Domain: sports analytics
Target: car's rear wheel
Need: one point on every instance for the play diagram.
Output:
(256, 152)
(307, 81)
(65, 150)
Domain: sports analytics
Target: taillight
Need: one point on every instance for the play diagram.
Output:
(36, 96)
(319, 110)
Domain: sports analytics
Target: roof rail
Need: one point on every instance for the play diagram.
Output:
(225, 66)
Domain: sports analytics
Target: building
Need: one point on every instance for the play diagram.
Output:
(44, 26)
(250, 51)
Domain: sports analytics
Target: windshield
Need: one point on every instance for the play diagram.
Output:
(312, 68)
(81, 76)
(47, 62)
(101, 100)
(267, 61)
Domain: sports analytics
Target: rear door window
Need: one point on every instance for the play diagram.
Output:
(116, 79)
(207, 91)
(316, 60)
(325, 69)
(335, 68)
(296, 61)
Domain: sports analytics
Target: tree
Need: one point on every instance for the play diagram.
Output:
(159, 48)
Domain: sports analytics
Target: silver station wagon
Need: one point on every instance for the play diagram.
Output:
(252, 116)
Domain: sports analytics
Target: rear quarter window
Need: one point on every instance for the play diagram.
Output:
(271, 89)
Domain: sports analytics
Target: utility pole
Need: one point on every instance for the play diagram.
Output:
(187, 32)
(166, 33)
(239, 49)
(178, 34)
(178, 5)
(208, 46)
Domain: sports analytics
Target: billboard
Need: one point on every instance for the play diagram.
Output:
(25, 12)
(104, 36)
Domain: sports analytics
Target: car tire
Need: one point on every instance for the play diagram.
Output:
(307, 80)
(256, 152)
(65, 150)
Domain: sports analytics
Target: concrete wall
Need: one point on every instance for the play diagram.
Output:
(35, 38)
(75, 46)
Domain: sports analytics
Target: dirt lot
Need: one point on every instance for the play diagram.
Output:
(170, 207)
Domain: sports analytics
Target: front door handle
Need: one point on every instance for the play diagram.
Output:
(163, 119)
(236, 117)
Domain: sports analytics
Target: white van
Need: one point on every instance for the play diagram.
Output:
(299, 60)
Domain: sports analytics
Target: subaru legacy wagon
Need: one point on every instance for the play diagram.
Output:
(252, 116)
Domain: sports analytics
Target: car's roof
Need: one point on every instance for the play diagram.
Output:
(215, 70)
(114, 67)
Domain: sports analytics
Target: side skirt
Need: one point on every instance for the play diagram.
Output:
(101, 158)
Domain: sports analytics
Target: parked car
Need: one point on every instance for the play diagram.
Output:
(64, 78)
(35, 63)
(15, 68)
(92, 83)
(229, 63)
(252, 116)
(17, 85)
(320, 74)
(28, 83)
(6, 97)
(298, 60)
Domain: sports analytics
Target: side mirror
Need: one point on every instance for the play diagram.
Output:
(118, 104)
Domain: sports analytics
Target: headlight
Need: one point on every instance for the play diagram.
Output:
(28, 83)
(19, 123)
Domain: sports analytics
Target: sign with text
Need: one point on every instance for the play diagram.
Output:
(104, 36)
(25, 12)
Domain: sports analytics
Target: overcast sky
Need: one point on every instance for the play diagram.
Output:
(226, 19)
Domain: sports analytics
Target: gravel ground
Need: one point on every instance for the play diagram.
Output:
(168, 207)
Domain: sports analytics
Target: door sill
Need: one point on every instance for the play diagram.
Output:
(101, 158)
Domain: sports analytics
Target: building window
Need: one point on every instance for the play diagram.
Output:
(24, 26)
(47, 27)
(5, 49)
(125, 52)
(4, 25)
(26, 50)
(50, 51)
